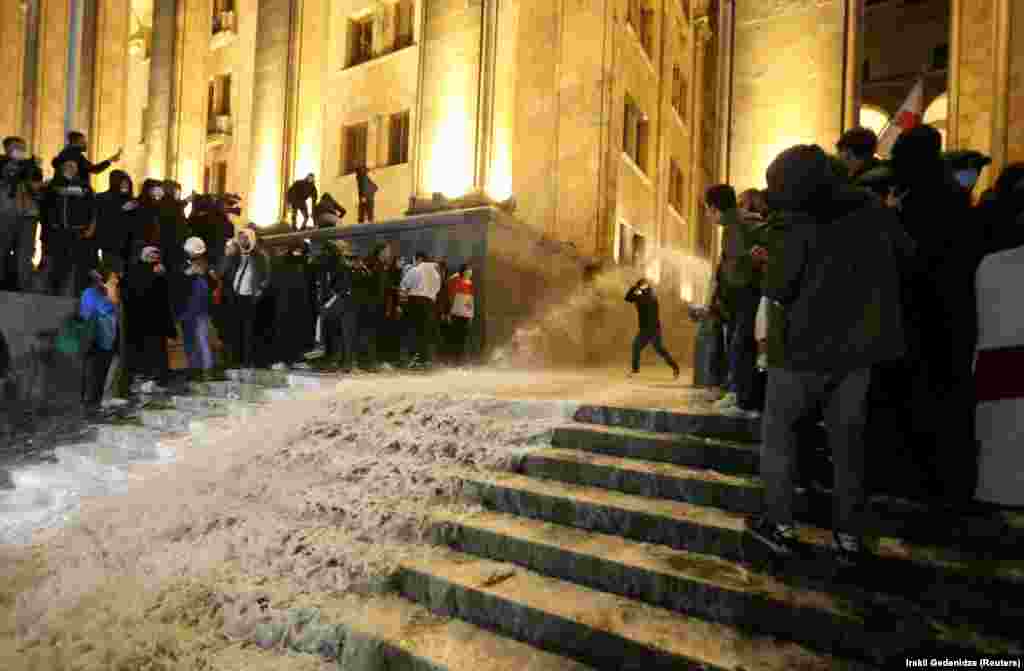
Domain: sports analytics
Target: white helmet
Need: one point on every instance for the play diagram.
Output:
(195, 246)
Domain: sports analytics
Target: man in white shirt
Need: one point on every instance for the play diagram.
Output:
(422, 284)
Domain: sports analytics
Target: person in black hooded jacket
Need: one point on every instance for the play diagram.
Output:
(69, 217)
(838, 281)
(75, 151)
(642, 296)
(114, 214)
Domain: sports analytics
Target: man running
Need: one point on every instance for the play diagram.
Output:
(642, 296)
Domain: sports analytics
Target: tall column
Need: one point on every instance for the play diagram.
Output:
(1001, 87)
(701, 37)
(1015, 101)
(270, 110)
(787, 81)
(973, 95)
(51, 79)
(13, 34)
(188, 125)
(853, 67)
(109, 93)
(161, 88)
(74, 64)
(308, 101)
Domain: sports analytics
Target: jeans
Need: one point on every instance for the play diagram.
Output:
(743, 347)
(196, 332)
(792, 396)
(650, 337)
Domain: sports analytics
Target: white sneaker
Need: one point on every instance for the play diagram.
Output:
(726, 402)
(280, 365)
(302, 366)
(740, 413)
(151, 387)
(316, 353)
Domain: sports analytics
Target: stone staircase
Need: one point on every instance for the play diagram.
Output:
(623, 547)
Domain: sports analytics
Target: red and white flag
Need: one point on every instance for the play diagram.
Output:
(909, 115)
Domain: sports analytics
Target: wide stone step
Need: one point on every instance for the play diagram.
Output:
(306, 380)
(669, 421)
(680, 449)
(398, 635)
(948, 581)
(743, 494)
(604, 630)
(212, 405)
(242, 391)
(851, 624)
(173, 420)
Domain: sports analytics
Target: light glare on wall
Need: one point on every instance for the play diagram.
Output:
(451, 156)
(263, 200)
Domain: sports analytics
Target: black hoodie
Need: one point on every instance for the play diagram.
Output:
(838, 276)
(112, 220)
(68, 205)
(86, 168)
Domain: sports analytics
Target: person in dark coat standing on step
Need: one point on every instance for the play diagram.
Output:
(643, 297)
(292, 310)
(367, 192)
(69, 217)
(147, 299)
(246, 283)
(114, 214)
(75, 151)
(299, 193)
(838, 282)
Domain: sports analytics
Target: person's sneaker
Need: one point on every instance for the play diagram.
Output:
(302, 365)
(315, 353)
(740, 413)
(726, 402)
(675, 372)
(633, 373)
(151, 387)
(386, 368)
(848, 549)
(280, 365)
(779, 537)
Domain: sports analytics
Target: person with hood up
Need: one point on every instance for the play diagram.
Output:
(194, 313)
(20, 190)
(856, 150)
(75, 151)
(299, 193)
(146, 296)
(838, 282)
(328, 212)
(422, 284)
(643, 297)
(97, 305)
(740, 288)
(69, 217)
(246, 278)
(114, 214)
(941, 314)
(291, 329)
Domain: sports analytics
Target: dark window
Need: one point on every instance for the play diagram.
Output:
(639, 250)
(624, 256)
(643, 136)
(145, 125)
(360, 40)
(867, 71)
(223, 15)
(635, 134)
(225, 95)
(940, 57)
(354, 140)
(398, 142)
(404, 12)
(211, 106)
(679, 91)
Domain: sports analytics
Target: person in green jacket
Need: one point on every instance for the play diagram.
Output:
(739, 291)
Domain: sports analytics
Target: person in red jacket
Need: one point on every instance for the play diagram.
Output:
(461, 312)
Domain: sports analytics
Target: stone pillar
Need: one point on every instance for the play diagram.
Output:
(701, 37)
(13, 34)
(241, 166)
(1015, 102)
(109, 93)
(314, 24)
(787, 81)
(161, 88)
(1001, 87)
(270, 111)
(51, 80)
(853, 67)
(189, 110)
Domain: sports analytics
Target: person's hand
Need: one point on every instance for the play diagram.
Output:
(760, 256)
(894, 201)
(159, 268)
(130, 205)
(116, 157)
(90, 231)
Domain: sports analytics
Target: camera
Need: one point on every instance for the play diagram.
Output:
(221, 203)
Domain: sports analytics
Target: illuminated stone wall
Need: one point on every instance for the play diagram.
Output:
(787, 81)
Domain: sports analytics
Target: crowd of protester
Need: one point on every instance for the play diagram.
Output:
(858, 295)
(153, 266)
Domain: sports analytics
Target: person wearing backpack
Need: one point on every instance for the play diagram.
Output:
(96, 306)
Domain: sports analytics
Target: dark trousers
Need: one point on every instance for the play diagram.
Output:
(296, 209)
(423, 319)
(743, 347)
(792, 397)
(18, 234)
(147, 358)
(340, 336)
(458, 334)
(650, 337)
(94, 376)
(70, 260)
(365, 210)
(243, 324)
(370, 325)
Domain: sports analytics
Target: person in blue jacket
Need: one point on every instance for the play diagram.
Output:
(97, 306)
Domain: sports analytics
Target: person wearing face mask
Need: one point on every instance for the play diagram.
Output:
(114, 209)
(75, 151)
(146, 297)
(20, 186)
(246, 281)
(463, 309)
(70, 219)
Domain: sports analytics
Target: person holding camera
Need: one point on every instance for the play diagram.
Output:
(246, 281)
(21, 182)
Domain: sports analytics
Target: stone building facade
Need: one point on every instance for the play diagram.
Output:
(605, 120)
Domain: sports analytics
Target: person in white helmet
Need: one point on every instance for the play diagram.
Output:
(194, 313)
